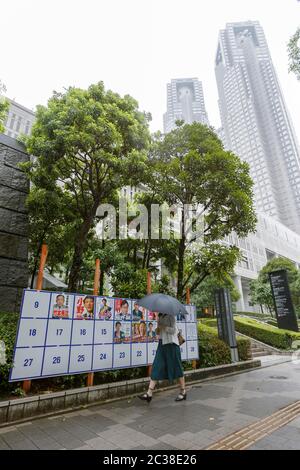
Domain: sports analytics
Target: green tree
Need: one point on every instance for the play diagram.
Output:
(205, 295)
(260, 294)
(294, 54)
(4, 105)
(90, 143)
(191, 166)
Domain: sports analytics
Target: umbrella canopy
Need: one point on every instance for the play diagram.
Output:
(163, 303)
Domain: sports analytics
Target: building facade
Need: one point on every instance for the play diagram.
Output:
(185, 101)
(19, 120)
(255, 120)
(272, 239)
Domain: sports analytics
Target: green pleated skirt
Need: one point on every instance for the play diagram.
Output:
(167, 362)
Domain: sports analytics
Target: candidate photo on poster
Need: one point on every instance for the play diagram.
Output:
(105, 308)
(122, 309)
(122, 332)
(151, 331)
(152, 316)
(84, 308)
(138, 312)
(143, 331)
(61, 307)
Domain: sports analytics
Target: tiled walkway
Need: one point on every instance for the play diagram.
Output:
(213, 410)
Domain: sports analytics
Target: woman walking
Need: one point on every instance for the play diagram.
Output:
(167, 362)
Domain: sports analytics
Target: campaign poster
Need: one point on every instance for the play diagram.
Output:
(104, 308)
(123, 309)
(84, 307)
(60, 306)
(122, 331)
(151, 331)
(152, 316)
(138, 313)
(139, 332)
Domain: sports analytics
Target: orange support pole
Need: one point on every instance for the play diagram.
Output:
(149, 369)
(90, 377)
(39, 286)
(188, 301)
(188, 296)
(44, 254)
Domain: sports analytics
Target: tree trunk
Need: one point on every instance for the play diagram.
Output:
(181, 252)
(101, 283)
(80, 244)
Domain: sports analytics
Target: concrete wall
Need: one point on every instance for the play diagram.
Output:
(14, 188)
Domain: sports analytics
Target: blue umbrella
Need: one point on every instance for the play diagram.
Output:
(163, 303)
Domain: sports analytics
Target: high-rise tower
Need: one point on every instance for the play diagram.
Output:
(256, 124)
(185, 101)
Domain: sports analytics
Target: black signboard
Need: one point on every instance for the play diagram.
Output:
(285, 313)
(225, 323)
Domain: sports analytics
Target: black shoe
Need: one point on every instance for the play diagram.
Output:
(145, 397)
(180, 397)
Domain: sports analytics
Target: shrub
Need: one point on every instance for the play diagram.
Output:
(8, 328)
(281, 339)
(213, 351)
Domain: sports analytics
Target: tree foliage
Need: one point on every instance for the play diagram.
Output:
(294, 54)
(88, 144)
(4, 105)
(192, 167)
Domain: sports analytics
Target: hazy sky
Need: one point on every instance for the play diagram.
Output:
(134, 46)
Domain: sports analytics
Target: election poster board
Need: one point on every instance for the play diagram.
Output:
(284, 308)
(66, 334)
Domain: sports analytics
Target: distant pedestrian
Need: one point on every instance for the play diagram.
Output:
(167, 362)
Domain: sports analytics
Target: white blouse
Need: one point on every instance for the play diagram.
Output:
(168, 331)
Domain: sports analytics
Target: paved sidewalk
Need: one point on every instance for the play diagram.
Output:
(213, 410)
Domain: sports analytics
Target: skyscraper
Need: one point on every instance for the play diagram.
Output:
(185, 101)
(255, 121)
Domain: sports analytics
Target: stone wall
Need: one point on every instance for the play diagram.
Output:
(14, 188)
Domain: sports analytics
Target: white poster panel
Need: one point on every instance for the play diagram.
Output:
(59, 332)
(27, 363)
(192, 349)
(182, 328)
(121, 355)
(138, 354)
(191, 313)
(80, 359)
(82, 332)
(183, 351)
(35, 304)
(152, 347)
(191, 331)
(32, 332)
(104, 332)
(103, 357)
(56, 360)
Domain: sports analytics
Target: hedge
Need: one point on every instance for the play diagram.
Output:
(213, 351)
(281, 339)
